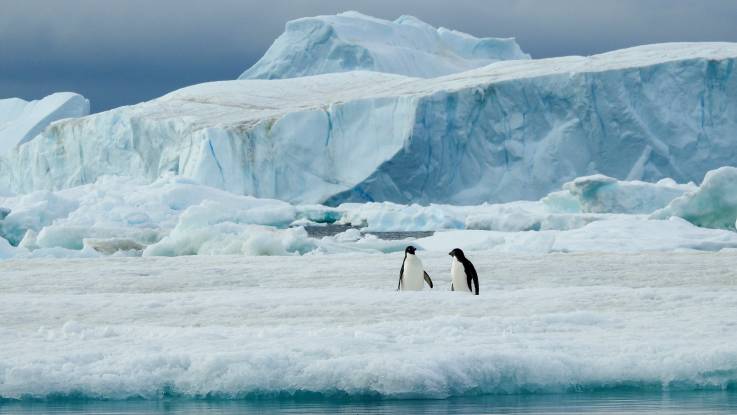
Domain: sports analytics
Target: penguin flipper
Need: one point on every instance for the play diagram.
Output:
(471, 277)
(427, 279)
(401, 274)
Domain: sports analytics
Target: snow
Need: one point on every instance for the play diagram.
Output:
(352, 41)
(223, 327)
(21, 121)
(518, 129)
(712, 205)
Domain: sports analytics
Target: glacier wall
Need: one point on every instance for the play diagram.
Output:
(352, 41)
(522, 138)
(508, 131)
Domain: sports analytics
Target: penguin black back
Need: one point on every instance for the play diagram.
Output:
(471, 275)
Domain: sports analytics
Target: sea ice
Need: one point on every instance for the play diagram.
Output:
(225, 327)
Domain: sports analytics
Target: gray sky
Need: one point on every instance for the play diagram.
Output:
(122, 52)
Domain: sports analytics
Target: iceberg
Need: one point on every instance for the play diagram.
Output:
(712, 205)
(21, 121)
(512, 130)
(353, 41)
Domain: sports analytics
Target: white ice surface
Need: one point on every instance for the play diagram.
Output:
(21, 121)
(235, 327)
(352, 41)
(517, 129)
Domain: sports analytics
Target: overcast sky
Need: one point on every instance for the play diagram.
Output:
(126, 51)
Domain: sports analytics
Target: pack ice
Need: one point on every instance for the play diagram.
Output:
(508, 131)
(20, 120)
(353, 41)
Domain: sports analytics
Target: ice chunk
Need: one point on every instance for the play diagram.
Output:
(216, 228)
(711, 205)
(21, 121)
(353, 41)
(34, 211)
(6, 249)
(603, 194)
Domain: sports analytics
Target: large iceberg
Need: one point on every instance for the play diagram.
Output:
(20, 120)
(352, 41)
(508, 131)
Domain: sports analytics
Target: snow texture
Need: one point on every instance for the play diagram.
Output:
(21, 121)
(222, 327)
(352, 41)
(508, 131)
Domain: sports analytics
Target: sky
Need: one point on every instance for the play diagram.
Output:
(124, 52)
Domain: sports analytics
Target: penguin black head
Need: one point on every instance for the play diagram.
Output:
(457, 253)
(410, 250)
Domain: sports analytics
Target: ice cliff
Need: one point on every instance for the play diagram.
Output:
(20, 120)
(508, 131)
(353, 41)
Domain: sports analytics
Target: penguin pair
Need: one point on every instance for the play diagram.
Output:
(412, 275)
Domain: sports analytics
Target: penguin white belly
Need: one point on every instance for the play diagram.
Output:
(414, 274)
(458, 276)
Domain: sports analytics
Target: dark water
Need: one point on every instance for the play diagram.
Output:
(332, 230)
(633, 403)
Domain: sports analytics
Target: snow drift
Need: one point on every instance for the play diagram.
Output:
(352, 41)
(20, 120)
(508, 131)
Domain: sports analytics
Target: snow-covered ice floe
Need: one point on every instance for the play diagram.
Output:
(511, 130)
(333, 326)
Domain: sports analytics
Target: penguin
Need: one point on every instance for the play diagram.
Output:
(412, 273)
(462, 273)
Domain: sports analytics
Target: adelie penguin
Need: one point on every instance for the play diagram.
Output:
(462, 273)
(412, 275)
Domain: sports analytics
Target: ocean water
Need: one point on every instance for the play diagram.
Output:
(693, 403)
